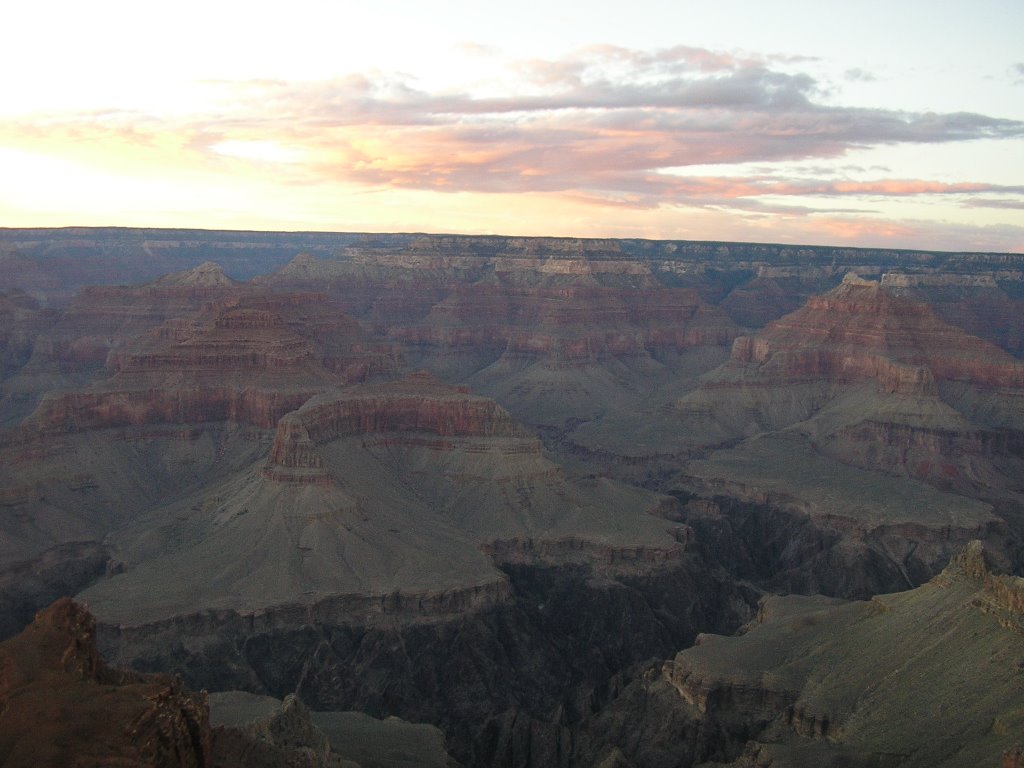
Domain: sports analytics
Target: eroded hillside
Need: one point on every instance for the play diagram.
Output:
(490, 483)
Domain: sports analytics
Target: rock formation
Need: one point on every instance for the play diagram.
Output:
(550, 332)
(60, 704)
(369, 491)
(876, 381)
(251, 490)
(945, 694)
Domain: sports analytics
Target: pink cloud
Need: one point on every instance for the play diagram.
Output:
(604, 127)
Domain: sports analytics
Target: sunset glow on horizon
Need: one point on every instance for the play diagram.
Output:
(786, 122)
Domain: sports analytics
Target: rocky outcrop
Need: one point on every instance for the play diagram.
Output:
(875, 381)
(792, 684)
(248, 361)
(416, 411)
(28, 586)
(1003, 593)
(860, 331)
(209, 274)
(60, 704)
(287, 737)
(985, 304)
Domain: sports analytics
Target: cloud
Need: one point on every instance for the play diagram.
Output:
(604, 120)
(859, 75)
(984, 202)
(607, 126)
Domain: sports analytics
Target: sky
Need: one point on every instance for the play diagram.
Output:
(878, 124)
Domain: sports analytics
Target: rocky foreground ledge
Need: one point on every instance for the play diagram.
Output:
(929, 677)
(62, 705)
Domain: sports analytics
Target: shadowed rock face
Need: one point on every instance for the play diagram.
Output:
(60, 704)
(923, 678)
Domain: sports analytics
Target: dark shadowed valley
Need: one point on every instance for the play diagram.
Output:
(423, 500)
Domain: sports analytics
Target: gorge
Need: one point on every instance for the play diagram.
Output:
(558, 501)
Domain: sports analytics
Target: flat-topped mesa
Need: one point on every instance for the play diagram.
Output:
(527, 246)
(416, 411)
(418, 403)
(860, 331)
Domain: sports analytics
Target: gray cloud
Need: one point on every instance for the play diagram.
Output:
(603, 124)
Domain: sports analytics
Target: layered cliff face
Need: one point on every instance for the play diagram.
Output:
(74, 347)
(776, 291)
(370, 491)
(985, 304)
(552, 333)
(860, 331)
(250, 490)
(873, 380)
(190, 401)
(245, 359)
(103, 318)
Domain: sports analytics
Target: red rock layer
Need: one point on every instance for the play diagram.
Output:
(445, 414)
(859, 331)
(580, 304)
(248, 360)
(98, 410)
(416, 411)
(102, 319)
(977, 303)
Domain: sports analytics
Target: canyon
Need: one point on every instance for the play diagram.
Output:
(523, 492)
